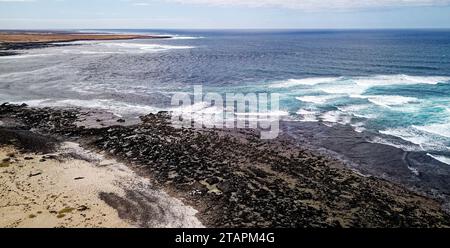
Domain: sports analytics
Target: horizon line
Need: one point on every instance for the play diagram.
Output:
(206, 29)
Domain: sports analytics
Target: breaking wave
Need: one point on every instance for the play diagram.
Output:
(113, 106)
(362, 83)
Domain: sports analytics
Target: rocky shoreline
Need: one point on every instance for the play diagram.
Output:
(10, 49)
(230, 176)
(360, 151)
(13, 42)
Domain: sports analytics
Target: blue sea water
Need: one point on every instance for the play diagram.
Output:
(391, 83)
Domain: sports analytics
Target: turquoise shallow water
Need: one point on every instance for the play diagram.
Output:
(414, 108)
(388, 83)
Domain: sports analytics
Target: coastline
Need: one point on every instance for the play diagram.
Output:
(20, 37)
(50, 182)
(53, 184)
(11, 41)
(415, 170)
(230, 177)
(43, 191)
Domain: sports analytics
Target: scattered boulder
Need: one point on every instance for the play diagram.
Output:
(231, 177)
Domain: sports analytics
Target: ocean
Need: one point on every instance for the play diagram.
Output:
(392, 84)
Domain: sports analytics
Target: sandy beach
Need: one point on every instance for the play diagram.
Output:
(52, 193)
(68, 188)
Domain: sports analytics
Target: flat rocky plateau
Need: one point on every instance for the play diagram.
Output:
(231, 177)
(12, 42)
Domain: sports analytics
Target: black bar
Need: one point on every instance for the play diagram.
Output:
(226, 238)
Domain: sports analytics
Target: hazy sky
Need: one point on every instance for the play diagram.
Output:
(60, 14)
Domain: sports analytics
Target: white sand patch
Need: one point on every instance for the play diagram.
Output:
(65, 192)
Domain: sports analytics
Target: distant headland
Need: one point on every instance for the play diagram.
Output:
(47, 37)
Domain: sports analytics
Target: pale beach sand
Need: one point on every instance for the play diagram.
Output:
(150, 174)
(58, 190)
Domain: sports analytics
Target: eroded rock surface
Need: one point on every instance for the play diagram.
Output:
(236, 180)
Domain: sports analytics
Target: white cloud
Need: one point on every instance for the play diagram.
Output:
(319, 4)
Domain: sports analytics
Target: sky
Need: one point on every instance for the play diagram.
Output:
(224, 14)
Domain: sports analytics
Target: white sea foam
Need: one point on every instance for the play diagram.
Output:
(366, 116)
(359, 127)
(389, 101)
(176, 37)
(204, 113)
(358, 85)
(265, 114)
(364, 83)
(354, 108)
(407, 134)
(399, 79)
(357, 111)
(417, 137)
(306, 81)
(379, 140)
(24, 56)
(201, 112)
(317, 99)
(306, 112)
(348, 89)
(308, 116)
(332, 116)
(87, 52)
(414, 171)
(145, 47)
(102, 47)
(443, 159)
(336, 117)
(256, 117)
(437, 129)
(206, 108)
(116, 107)
(201, 107)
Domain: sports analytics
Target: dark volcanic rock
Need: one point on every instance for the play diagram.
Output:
(4, 54)
(29, 45)
(236, 180)
(27, 140)
(416, 170)
(12, 49)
